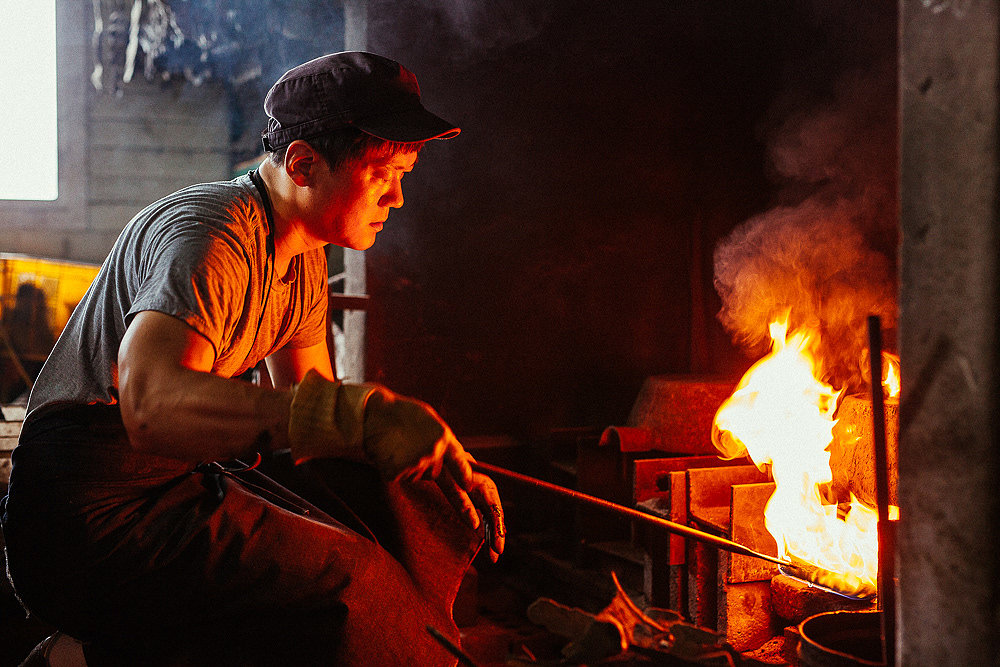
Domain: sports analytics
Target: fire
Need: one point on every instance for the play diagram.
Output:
(890, 375)
(782, 416)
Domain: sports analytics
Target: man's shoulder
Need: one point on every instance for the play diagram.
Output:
(231, 207)
(211, 194)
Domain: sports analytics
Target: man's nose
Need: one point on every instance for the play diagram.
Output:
(394, 197)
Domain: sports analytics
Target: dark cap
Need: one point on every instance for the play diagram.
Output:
(350, 89)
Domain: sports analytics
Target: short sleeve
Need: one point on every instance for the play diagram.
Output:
(312, 330)
(199, 275)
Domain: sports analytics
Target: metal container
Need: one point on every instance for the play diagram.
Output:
(841, 639)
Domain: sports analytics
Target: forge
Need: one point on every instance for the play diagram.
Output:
(657, 463)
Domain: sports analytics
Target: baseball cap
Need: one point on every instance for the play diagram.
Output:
(349, 89)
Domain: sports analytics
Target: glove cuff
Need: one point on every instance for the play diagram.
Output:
(326, 419)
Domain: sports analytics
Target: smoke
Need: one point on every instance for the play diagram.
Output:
(475, 29)
(493, 25)
(826, 252)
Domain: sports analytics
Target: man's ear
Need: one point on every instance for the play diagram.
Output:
(301, 162)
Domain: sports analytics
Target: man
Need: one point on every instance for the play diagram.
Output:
(136, 520)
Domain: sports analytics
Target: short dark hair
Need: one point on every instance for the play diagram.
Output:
(349, 144)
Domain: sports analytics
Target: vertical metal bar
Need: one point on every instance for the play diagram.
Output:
(886, 532)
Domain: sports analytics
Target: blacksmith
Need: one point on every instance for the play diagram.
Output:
(162, 509)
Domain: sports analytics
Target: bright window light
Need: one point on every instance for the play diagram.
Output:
(29, 144)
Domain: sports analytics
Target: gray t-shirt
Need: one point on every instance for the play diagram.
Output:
(201, 255)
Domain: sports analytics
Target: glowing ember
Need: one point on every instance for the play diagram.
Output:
(782, 417)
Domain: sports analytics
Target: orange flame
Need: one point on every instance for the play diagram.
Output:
(781, 415)
(890, 375)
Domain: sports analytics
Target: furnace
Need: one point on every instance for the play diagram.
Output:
(663, 462)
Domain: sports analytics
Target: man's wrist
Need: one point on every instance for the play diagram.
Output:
(273, 408)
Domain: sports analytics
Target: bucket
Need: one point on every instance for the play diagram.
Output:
(841, 639)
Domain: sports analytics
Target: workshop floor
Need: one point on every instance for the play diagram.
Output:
(498, 631)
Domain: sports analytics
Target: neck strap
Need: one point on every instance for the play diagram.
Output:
(268, 209)
(269, 221)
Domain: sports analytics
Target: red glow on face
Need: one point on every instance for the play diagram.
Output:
(354, 201)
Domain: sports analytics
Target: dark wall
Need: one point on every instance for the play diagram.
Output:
(560, 250)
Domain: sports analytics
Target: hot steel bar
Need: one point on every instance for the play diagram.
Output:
(676, 528)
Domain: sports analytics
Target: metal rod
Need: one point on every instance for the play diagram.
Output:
(676, 528)
(886, 529)
(450, 646)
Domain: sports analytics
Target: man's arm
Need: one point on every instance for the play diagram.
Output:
(288, 366)
(173, 406)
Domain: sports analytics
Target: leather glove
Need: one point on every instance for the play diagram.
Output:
(401, 436)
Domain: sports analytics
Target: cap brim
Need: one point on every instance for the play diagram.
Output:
(412, 126)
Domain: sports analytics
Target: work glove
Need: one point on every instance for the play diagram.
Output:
(402, 437)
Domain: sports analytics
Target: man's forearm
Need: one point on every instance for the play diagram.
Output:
(197, 416)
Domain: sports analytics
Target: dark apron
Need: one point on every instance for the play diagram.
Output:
(154, 561)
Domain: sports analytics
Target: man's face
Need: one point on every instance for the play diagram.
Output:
(353, 201)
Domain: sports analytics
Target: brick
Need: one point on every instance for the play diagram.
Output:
(794, 600)
(747, 528)
(745, 614)
(710, 491)
(852, 452)
(677, 412)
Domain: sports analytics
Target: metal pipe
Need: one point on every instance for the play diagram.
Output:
(886, 530)
(675, 528)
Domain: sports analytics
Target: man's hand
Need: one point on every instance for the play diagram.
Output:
(402, 437)
(484, 495)
(475, 497)
(407, 439)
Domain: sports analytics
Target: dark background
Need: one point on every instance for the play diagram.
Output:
(559, 251)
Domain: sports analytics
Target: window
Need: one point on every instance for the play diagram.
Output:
(29, 143)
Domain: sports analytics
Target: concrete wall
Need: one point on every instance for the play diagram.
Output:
(149, 142)
(949, 567)
(117, 154)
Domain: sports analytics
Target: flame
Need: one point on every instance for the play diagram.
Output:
(782, 416)
(890, 375)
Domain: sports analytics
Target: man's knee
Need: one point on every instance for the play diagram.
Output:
(388, 617)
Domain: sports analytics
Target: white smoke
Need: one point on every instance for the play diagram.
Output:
(826, 252)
